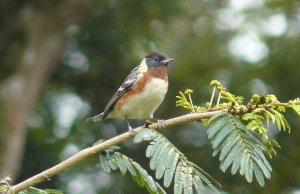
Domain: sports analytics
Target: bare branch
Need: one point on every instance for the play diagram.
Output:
(47, 174)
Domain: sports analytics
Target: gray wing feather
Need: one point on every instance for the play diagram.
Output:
(127, 84)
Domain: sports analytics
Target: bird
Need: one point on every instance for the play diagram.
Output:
(141, 93)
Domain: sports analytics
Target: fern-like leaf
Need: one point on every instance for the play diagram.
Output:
(111, 160)
(238, 147)
(295, 105)
(171, 164)
(4, 186)
(33, 190)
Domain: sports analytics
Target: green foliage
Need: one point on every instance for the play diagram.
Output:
(171, 164)
(32, 190)
(185, 100)
(5, 189)
(270, 111)
(240, 133)
(53, 191)
(238, 147)
(295, 105)
(111, 160)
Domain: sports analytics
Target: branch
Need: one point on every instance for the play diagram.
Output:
(83, 154)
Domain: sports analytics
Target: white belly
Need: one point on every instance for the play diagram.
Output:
(143, 105)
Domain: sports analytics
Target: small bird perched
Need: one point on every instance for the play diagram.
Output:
(142, 91)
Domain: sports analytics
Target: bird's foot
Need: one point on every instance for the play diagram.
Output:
(147, 123)
(160, 122)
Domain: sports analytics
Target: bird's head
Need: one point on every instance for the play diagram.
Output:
(156, 59)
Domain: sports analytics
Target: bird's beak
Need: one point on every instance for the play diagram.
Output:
(167, 61)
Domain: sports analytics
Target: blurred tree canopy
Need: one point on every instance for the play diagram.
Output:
(62, 60)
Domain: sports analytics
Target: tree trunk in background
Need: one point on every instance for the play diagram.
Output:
(44, 30)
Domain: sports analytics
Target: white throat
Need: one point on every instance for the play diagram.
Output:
(143, 66)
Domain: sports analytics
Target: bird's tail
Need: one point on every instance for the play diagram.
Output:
(96, 118)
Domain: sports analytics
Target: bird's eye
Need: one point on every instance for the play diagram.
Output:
(156, 58)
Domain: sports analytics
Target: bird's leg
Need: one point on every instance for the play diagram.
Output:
(161, 123)
(152, 120)
(130, 129)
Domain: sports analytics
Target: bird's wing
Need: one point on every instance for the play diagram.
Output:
(127, 85)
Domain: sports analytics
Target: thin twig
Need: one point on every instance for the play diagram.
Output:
(219, 98)
(212, 97)
(190, 99)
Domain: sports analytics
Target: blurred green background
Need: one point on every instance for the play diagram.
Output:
(62, 60)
